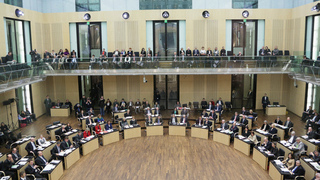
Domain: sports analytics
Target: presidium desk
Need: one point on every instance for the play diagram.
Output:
(60, 112)
(276, 110)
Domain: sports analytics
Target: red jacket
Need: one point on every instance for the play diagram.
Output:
(85, 134)
(97, 129)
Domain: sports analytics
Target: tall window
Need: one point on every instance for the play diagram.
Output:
(87, 5)
(311, 96)
(165, 4)
(244, 4)
(14, 2)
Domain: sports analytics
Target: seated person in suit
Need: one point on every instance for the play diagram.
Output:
(218, 109)
(147, 104)
(175, 111)
(310, 133)
(173, 119)
(137, 104)
(289, 162)
(58, 104)
(273, 130)
(23, 175)
(6, 166)
(298, 170)
(315, 156)
(156, 112)
(90, 112)
(266, 143)
(61, 131)
(86, 133)
(199, 121)
(123, 104)
(220, 102)
(244, 121)
(89, 121)
(250, 114)
(298, 145)
(204, 114)
(178, 105)
(128, 113)
(210, 106)
(207, 123)
(265, 126)
(235, 117)
(97, 128)
(40, 160)
(100, 119)
(148, 111)
(116, 108)
(292, 138)
(234, 128)
(133, 121)
(78, 137)
(278, 121)
(224, 125)
(274, 150)
(15, 155)
(314, 120)
(68, 127)
(244, 112)
(123, 123)
(317, 177)
(184, 111)
(158, 120)
(213, 115)
(246, 133)
(289, 125)
(31, 147)
(307, 114)
(66, 144)
(55, 151)
(108, 126)
(33, 169)
(204, 103)
(253, 138)
(149, 120)
(81, 115)
(184, 120)
(156, 105)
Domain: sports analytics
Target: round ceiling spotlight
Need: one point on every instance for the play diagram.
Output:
(19, 13)
(165, 14)
(245, 14)
(125, 15)
(87, 17)
(205, 14)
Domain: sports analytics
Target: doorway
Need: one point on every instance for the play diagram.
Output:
(240, 95)
(168, 88)
(91, 86)
(89, 41)
(244, 37)
(165, 37)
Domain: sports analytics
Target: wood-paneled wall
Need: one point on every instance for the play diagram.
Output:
(39, 93)
(195, 87)
(5, 111)
(128, 87)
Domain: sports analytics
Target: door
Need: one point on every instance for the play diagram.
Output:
(168, 88)
(241, 85)
(166, 37)
(89, 41)
(91, 86)
(244, 35)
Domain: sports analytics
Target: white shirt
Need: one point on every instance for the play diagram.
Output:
(291, 139)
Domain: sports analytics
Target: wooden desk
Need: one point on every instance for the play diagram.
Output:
(260, 158)
(275, 173)
(280, 132)
(310, 171)
(3, 157)
(242, 146)
(46, 151)
(311, 146)
(119, 114)
(83, 124)
(132, 132)
(54, 174)
(286, 149)
(21, 168)
(53, 130)
(71, 135)
(176, 130)
(221, 137)
(108, 138)
(71, 158)
(155, 130)
(282, 110)
(90, 146)
(239, 127)
(21, 148)
(262, 135)
(60, 112)
(199, 132)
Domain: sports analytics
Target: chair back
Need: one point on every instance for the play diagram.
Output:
(258, 138)
(56, 122)
(281, 152)
(228, 104)
(195, 105)
(48, 126)
(184, 105)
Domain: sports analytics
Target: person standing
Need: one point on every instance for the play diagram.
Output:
(101, 105)
(47, 102)
(265, 102)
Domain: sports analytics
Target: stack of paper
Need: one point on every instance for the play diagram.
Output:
(49, 167)
(315, 165)
(22, 163)
(278, 162)
(61, 153)
(131, 126)
(219, 129)
(129, 117)
(284, 169)
(110, 130)
(241, 137)
(74, 130)
(305, 136)
(55, 161)
(204, 127)
(308, 160)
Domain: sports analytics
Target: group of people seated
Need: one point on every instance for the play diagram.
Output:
(26, 117)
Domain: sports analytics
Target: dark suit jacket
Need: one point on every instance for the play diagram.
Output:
(156, 112)
(204, 104)
(268, 145)
(290, 125)
(184, 112)
(16, 158)
(294, 139)
(204, 114)
(196, 52)
(188, 53)
(218, 102)
(181, 120)
(280, 122)
(213, 115)
(30, 170)
(234, 116)
(264, 101)
(311, 135)
(299, 171)
(244, 121)
(7, 165)
(274, 151)
(210, 106)
(263, 126)
(123, 123)
(64, 145)
(107, 127)
(29, 147)
(40, 162)
(175, 118)
(273, 131)
(148, 112)
(88, 121)
(226, 126)
(54, 150)
(234, 129)
(77, 138)
(209, 123)
(197, 122)
(218, 109)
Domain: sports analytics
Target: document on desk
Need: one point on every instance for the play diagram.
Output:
(315, 165)
(61, 153)
(204, 127)
(241, 137)
(284, 170)
(278, 162)
(49, 167)
(22, 163)
(55, 161)
(308, 160)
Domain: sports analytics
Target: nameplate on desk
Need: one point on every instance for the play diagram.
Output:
(129, 117)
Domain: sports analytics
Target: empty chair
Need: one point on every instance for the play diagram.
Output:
(184, 105)
(195, 105)
(286, 52)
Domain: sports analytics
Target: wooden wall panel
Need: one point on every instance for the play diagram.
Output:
(212, 34)
(5, 110)
(199, 36)
(224, 87)
(57, 38)
(297, 35)
(199, 87)
(72, 89)
(277, 33)
(122, 87)
(39, 93)
(109, 87)
(134, 88)
(46, 37)
(120, 35)
(146, 89)
(186, 89)
(133, 35)
(288, 35)
(39, 38)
